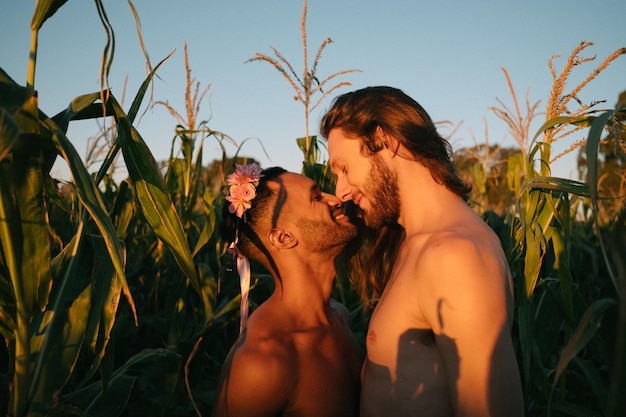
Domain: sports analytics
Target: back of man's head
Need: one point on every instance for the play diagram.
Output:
(257, 220)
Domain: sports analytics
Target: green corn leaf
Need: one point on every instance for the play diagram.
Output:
(44, 9)
(582, 335)
(174, 178)
(91, 199)
(31, 243)
(12, 96)
(593, 141)
(9, 132)
(210, 219)
(596, 381)
(563, 270)
(557, 184)
(132, 113)
(155, 202)
(525, 336)
(94, 399)
(192, 197)
(81, 108)
(124, 208)
(515, 172)
(617, 401)
(134, 108)
(572, 410)
(535, 249)
(478, 173)
(55, 362)
(112, 402)
(209, 290)
(560, 120)
(82, 310)
(107, 288)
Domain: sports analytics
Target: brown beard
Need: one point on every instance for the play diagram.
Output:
(381, 190)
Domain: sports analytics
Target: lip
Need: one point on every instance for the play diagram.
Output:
(337, 213)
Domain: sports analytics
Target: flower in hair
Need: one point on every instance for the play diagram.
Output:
(242, 187)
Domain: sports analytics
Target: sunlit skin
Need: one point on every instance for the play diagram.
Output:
(438, 342)
(297, 356)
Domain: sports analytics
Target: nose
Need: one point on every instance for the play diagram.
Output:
(331, 200)
(343, 191)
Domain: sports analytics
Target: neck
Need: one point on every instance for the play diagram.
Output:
(304, 292)
(425, 204)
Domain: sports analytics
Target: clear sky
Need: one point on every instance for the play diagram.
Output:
(446, 54)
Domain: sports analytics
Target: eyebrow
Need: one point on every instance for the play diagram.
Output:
(333, 163)
(314, 189)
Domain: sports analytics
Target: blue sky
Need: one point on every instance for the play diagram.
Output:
(447, 55)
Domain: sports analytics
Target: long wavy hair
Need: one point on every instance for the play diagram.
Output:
(359, 114)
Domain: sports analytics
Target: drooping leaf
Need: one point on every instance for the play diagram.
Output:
(560, 120)
(556, 184)
(44, 9)
(593, 141)
(151, 192)
(582, 335)
(91, 199)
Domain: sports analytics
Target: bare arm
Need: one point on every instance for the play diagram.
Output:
(466, 299)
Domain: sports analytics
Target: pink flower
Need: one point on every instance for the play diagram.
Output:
(244, 192)
(242, 189)
(250, 173)
(238, 206)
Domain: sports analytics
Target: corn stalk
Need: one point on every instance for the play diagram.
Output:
(545, 230)
(59, 296)
(307, 85)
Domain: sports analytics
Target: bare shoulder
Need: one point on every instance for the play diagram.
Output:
(265, 353)
(256, 377)
(470, 249)
(465, 269)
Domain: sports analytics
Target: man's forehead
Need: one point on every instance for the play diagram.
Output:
(293, 182)
(340, 144)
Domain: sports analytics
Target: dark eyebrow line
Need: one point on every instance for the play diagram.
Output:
(335, 163)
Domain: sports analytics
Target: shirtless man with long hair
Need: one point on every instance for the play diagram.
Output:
(439, 339)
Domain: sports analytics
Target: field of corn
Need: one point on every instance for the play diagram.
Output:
(118, 298)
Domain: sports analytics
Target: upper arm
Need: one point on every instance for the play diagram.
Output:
(253, 383)
(466, 300)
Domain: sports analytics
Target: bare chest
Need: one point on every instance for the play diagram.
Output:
(397, 325)
(403, 373)
(327, 381)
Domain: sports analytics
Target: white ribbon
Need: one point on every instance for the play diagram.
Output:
(243, 268)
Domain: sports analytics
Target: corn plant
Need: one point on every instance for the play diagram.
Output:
(61, 281)
(566, 279)
(305, 87)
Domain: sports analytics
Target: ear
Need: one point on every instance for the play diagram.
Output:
(282, 239)
(387, 141)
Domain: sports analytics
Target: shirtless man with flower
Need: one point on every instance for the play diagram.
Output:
(439, 338)
(295, 355)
